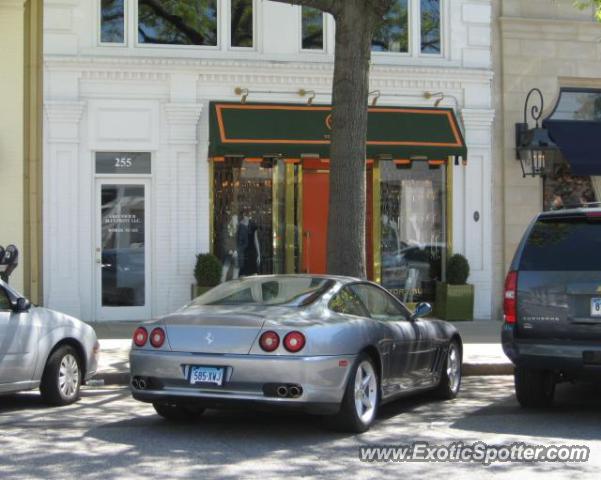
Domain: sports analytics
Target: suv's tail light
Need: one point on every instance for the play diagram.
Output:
(140, 336)
(510, 301)
(269, 341)
(157, 337)
(294, 342)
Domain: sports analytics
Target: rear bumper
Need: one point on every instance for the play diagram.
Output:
(562, 357)
(246, 381)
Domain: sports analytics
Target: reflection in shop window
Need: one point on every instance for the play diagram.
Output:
(112, 21)
(312, 28)
(242, 23)
(123, 246)
(393, 34)
(177, 22)
(563, 190)
(256, 215)
(430, 26)
(413, 234)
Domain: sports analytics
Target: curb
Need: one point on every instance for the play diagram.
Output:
(469, 370)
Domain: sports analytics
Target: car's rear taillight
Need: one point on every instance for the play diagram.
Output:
(140, 336)
(294, 342)
(269, 341)
(157, 337)
(510, 298)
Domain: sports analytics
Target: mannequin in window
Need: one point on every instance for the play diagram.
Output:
(252, 256)
(242, 242)
(390, 236)
(230, 251)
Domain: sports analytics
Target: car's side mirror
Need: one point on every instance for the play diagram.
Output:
(421, 310)
(22, 305)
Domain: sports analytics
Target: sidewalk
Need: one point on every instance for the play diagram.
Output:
(482, 354)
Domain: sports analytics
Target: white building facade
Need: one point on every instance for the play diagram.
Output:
(134, 186)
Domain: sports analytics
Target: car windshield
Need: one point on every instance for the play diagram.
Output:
(563, 245)
(267, 291)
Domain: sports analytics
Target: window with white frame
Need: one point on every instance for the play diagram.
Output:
(411, 27)
(179, 22)
(312, 21)
(241, 23)
(112, 21)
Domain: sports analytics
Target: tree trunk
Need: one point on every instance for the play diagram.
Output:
(355, 23)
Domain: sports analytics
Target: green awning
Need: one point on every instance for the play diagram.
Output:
(292, 131)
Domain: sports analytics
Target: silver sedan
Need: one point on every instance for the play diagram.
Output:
(327, 345)
(41, 348)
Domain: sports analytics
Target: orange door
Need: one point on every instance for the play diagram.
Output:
(316, 194)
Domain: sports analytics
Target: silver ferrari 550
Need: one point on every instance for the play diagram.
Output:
(327, 345)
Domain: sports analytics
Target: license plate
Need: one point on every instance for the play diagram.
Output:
(595, 307)
(206, 375)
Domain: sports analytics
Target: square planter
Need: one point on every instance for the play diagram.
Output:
(454, 302)
(197, 290)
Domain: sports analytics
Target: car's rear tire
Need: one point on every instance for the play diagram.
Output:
(534, 388)
(450, 378)
(61, 380)
(176, 412)
(359, 406)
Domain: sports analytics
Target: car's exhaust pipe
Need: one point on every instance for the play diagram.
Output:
(282, 391)
(295, 391)
(142, 384)
(135, 383)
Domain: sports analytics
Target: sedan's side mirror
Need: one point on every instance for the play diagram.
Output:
(22, 305)
(422, 310)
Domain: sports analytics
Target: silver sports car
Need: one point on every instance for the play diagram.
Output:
(43, 348)
(327, 345)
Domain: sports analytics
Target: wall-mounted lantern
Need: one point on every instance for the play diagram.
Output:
(535, 149)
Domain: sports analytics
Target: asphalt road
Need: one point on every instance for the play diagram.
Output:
(108, 436)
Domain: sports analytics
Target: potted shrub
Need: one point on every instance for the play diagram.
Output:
(455, 298)
(207, 272)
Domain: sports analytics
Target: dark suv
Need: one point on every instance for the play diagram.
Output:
(552, 329)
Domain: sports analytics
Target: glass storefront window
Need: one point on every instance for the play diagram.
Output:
(430, 26)
(256, 212)
(413, 229)
(112, 21)
(312, 26)
(393, 34)
(562, 189)
(242, 23)
(177, 22)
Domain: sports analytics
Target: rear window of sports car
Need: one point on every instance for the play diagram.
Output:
(272, 291)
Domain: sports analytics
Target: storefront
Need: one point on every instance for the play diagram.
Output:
(573, 176)
(269, 171)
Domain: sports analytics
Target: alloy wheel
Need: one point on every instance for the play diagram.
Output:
(366, 392)
(453, 368)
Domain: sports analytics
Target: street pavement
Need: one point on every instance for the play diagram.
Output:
(107, 435)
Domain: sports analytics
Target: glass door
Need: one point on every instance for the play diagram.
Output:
(123, 250)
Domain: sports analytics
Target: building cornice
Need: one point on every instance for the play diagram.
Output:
(557, 29)
(313, 73)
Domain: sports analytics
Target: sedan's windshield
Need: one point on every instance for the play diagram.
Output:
(267, 291)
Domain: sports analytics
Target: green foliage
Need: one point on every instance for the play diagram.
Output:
(583, 4)
(458, 270)
(207, 270)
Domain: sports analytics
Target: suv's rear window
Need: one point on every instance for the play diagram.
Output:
(563, 245)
